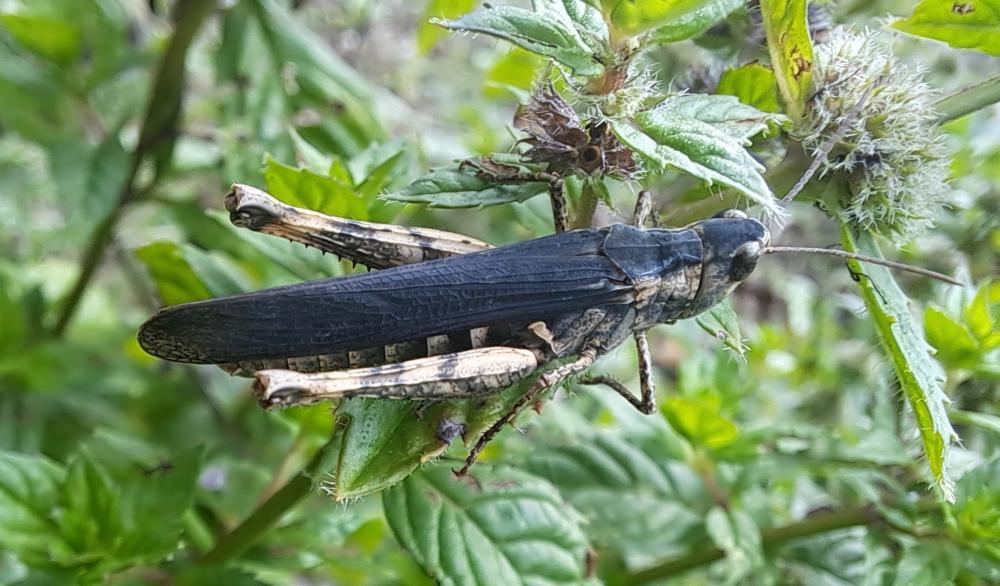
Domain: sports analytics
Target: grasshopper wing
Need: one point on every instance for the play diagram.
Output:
(537, 279)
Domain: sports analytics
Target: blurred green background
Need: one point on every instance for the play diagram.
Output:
(122, 124)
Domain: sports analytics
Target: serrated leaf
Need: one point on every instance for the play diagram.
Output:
(788, 42)
(919, 376)
(306, 189)
(722, 322)
(428, 34)
(548, 30)
(965, 24)
(507, 527)
(29, 493)
(90, 516)
(452, 187)
(666, 140)
(726, 113)
(599, 473)
(753, 84)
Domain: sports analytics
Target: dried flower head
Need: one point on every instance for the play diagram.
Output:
(889, 144)
(558, 138)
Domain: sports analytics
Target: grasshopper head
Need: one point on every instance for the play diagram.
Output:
(731, 243)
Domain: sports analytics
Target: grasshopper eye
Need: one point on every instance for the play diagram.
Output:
(744, 260)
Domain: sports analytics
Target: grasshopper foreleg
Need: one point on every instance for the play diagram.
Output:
(546, 380)
(448, 376)
(376, 246)
(495, 172)
(647, 403)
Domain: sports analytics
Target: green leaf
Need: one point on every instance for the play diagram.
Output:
(735, 533)
(688, 18)
(506, 527)
(548, 30)
(979, 316)
(516, 69)
(383, 442)
(965, 24)
(54, 39)
(722, 322)
(977, 508)
(306, 189)
(598, 473)
(928, 564)
(29, 494)
(700, 421)
(176, 282)
(753, 84)
(707, 151)
(726, 113)
(452, 187)
(428, 34)
(954, 344)
(90, 519)
(788, 42)
(919, 376)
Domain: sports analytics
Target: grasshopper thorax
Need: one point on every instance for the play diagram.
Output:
(732, 244)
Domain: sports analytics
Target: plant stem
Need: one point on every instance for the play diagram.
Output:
(157, 134)
(775, 536)
(968, 100)
(270, 511)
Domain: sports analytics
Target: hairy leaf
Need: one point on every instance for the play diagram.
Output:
(568, 31)
(428, 34)
(726, 113)
(722, 322)
(788, 42)
(965, 24)
(669, 139)
(754, 85)
(919, 376)
(504, 527)
(453, 187)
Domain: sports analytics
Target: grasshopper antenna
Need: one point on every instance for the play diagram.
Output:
(864, 258)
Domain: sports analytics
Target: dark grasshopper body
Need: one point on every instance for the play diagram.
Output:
(452, 317)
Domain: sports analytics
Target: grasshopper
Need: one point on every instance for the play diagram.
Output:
(451, 317)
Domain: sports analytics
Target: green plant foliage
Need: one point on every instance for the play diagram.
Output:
(966, 25)
(791, 51)
(668, 21)
(571, 32)
(503, 527)
(798, 423)
(457, 187)
(754, 85)
(918, 374)
(705, 137)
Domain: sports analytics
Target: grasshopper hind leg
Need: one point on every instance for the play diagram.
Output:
(376, 246)
(459, 375)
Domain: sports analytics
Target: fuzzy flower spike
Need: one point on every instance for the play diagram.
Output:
(889, 144)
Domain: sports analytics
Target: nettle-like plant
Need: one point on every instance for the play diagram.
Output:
(858, 131)
(800, 114)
